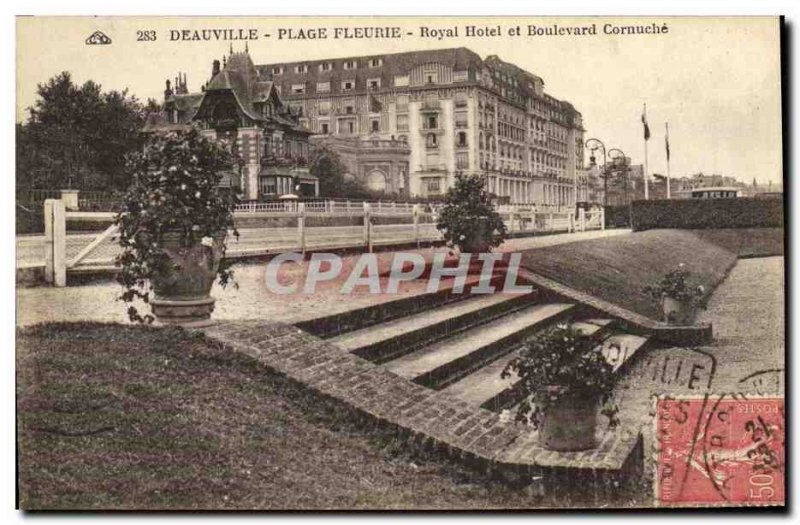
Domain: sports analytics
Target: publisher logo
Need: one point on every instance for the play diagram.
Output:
(98, 38)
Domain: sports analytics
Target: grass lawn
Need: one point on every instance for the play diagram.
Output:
(616, 269)
(128, 417)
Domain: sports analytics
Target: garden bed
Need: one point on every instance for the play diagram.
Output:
(616, 269)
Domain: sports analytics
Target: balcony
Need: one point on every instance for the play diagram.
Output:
(431, 105)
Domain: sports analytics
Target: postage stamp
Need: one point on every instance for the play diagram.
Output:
(720, 450)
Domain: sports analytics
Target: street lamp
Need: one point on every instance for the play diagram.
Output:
(593, 145)
(625, 169)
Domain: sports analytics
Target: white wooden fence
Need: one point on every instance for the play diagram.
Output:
(415, 224)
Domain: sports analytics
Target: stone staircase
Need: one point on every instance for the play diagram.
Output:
(460, 343)
(455, 347)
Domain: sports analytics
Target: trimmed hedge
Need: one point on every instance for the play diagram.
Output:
(692, 214)
(618, 216)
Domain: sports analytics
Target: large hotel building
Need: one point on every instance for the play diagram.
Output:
(406, 123)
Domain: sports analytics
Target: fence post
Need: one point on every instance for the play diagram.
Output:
(571, 222)
(603, 218)
(301, 226)
(367, 227)
(55, 233)
(332, 206)
(415, 215)
(582, 219)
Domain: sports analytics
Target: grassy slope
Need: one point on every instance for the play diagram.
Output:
(616, 269)
(118, 417)
(747, 242)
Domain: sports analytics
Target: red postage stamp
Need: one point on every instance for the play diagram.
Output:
(720, 450)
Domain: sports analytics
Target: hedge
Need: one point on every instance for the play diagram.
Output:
(618, 216)
(742, 212)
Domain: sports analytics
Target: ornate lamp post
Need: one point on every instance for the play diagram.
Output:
(593, 145)
(625, 170)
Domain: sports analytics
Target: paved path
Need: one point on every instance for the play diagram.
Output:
(747, 312)
(96, 301)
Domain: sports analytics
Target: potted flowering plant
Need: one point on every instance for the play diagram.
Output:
(676, 297)
(564, 379)
(173, 226)
(467, 219)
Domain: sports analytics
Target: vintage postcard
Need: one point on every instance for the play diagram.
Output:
(299, 263)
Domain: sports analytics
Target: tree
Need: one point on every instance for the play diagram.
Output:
(78, 136)
(328, 167)
(468, 220)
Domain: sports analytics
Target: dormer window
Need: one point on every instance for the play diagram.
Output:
(301, 68)
(376, 62)
(349, 64)
(277, 70)
(325, 66)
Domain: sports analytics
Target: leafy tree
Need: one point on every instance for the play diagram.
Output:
(78, 136)
(329, 168)
(468, 220)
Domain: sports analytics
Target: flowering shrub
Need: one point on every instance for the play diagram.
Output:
(175, 189)
(468, 220)
(675, 284)
(558, 362)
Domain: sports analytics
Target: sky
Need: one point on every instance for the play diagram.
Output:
(715, 80)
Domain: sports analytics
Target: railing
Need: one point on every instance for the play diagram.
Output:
(400, 224)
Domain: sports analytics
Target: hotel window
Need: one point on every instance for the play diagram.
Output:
(277, 70)
(430, 77)
(461, 100)
(462, 139)
(432, 185)
(431, 141)
(351, 127)
(462, 161)
(375, 125)
(376, 62)
(431, 122)
(402, 122)
(325, 66)
(348, 85)
(460, 76)
(401, 80)
(374, 83)
(298, 89)
(301, 68)
(268, 186)
(350, 64)
(324, 128)
(402, 102)
(323, 87)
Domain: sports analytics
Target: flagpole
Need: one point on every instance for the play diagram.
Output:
(666, 125)
(646, 192)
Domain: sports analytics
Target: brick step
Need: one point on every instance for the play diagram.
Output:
(332, 325)
(484, 387)
(390, 340)
(617, 347)
(445, 362)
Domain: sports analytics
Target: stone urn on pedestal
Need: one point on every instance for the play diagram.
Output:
(579, 380)
(183, 295)
(173, 227)
(568, 423)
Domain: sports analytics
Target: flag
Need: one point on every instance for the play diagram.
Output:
(646, 127)
(666, 142)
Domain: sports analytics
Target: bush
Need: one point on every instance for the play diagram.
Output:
(468, 220)
(618, 216)
(708, 213)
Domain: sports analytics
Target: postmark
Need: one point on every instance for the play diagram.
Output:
(720, 450)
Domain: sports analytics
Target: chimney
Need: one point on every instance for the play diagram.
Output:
(215, 68)
(168, 91)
